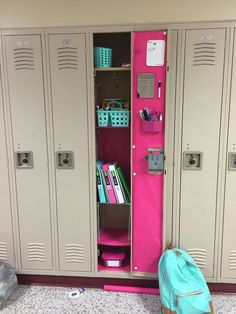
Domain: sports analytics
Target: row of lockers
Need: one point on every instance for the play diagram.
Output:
(204, 152)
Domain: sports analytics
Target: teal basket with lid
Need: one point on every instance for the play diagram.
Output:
(102, 57)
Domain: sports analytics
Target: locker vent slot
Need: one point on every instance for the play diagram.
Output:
(36, 252)
(74, 253)
(3, 251)
(67, 58)
(232, 260)
(204, 54)
(199, 256)
(24, 59)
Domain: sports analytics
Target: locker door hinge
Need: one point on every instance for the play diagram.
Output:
(167, 68)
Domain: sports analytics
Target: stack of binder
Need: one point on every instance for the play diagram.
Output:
(112, 186)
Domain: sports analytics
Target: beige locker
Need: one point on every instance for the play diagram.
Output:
(27, 107)
(228, 263)
(202, 101)
(70, 120)
(6, 231)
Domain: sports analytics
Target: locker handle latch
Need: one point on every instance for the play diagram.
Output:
(65, 159)
(155, 160)
(24, 160)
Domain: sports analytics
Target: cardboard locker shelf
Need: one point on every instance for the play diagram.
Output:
(112, 69)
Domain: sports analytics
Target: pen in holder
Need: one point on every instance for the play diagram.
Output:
(151, 121)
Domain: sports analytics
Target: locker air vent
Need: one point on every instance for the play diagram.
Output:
(67, 58)
(204, 54)
(74, 253)
(3, 251)
(36, 252)
(24, 59)
(232, 260)
(199, 256)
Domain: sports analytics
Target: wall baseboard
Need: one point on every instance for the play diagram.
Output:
(90, 282)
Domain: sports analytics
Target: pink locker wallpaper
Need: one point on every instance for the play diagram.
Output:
(147, 188)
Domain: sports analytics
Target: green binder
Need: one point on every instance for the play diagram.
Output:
(124, 182)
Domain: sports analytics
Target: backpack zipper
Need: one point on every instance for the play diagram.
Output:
(184, 258)
(187, 295)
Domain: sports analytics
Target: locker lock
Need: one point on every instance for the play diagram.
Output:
(192, 160)
(65, 159)
(24, 160)
(232, 161)
(155, 160)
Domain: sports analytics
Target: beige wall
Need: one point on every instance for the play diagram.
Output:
(36, 13)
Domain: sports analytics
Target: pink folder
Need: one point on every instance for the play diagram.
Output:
(108, 184)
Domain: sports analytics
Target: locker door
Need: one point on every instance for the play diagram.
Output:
(147, 151)
(6, 237)
(69, 102)
(228, 266)
(26, 99)
(202, 93)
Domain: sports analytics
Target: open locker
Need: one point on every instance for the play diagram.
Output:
(130, 229)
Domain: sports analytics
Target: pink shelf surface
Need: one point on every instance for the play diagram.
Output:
(125, 268)
(114, 237)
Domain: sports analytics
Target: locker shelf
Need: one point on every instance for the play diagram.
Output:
(112, 69)
(115, 204)
(114, 237)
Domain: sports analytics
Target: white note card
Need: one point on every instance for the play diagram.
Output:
(155, 55)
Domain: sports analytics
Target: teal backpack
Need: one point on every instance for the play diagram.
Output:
(183, 288)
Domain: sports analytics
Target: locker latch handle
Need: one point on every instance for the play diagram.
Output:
(155, 160)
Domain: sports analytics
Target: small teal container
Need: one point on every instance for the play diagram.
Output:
(103, 117)
(119, 116)
(102, 57)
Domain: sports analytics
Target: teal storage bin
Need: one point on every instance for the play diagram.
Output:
(103, 117)
(115, 117)
(102, 57)
(119, 116)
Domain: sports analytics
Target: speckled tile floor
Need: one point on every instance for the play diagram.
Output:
(40, 299)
